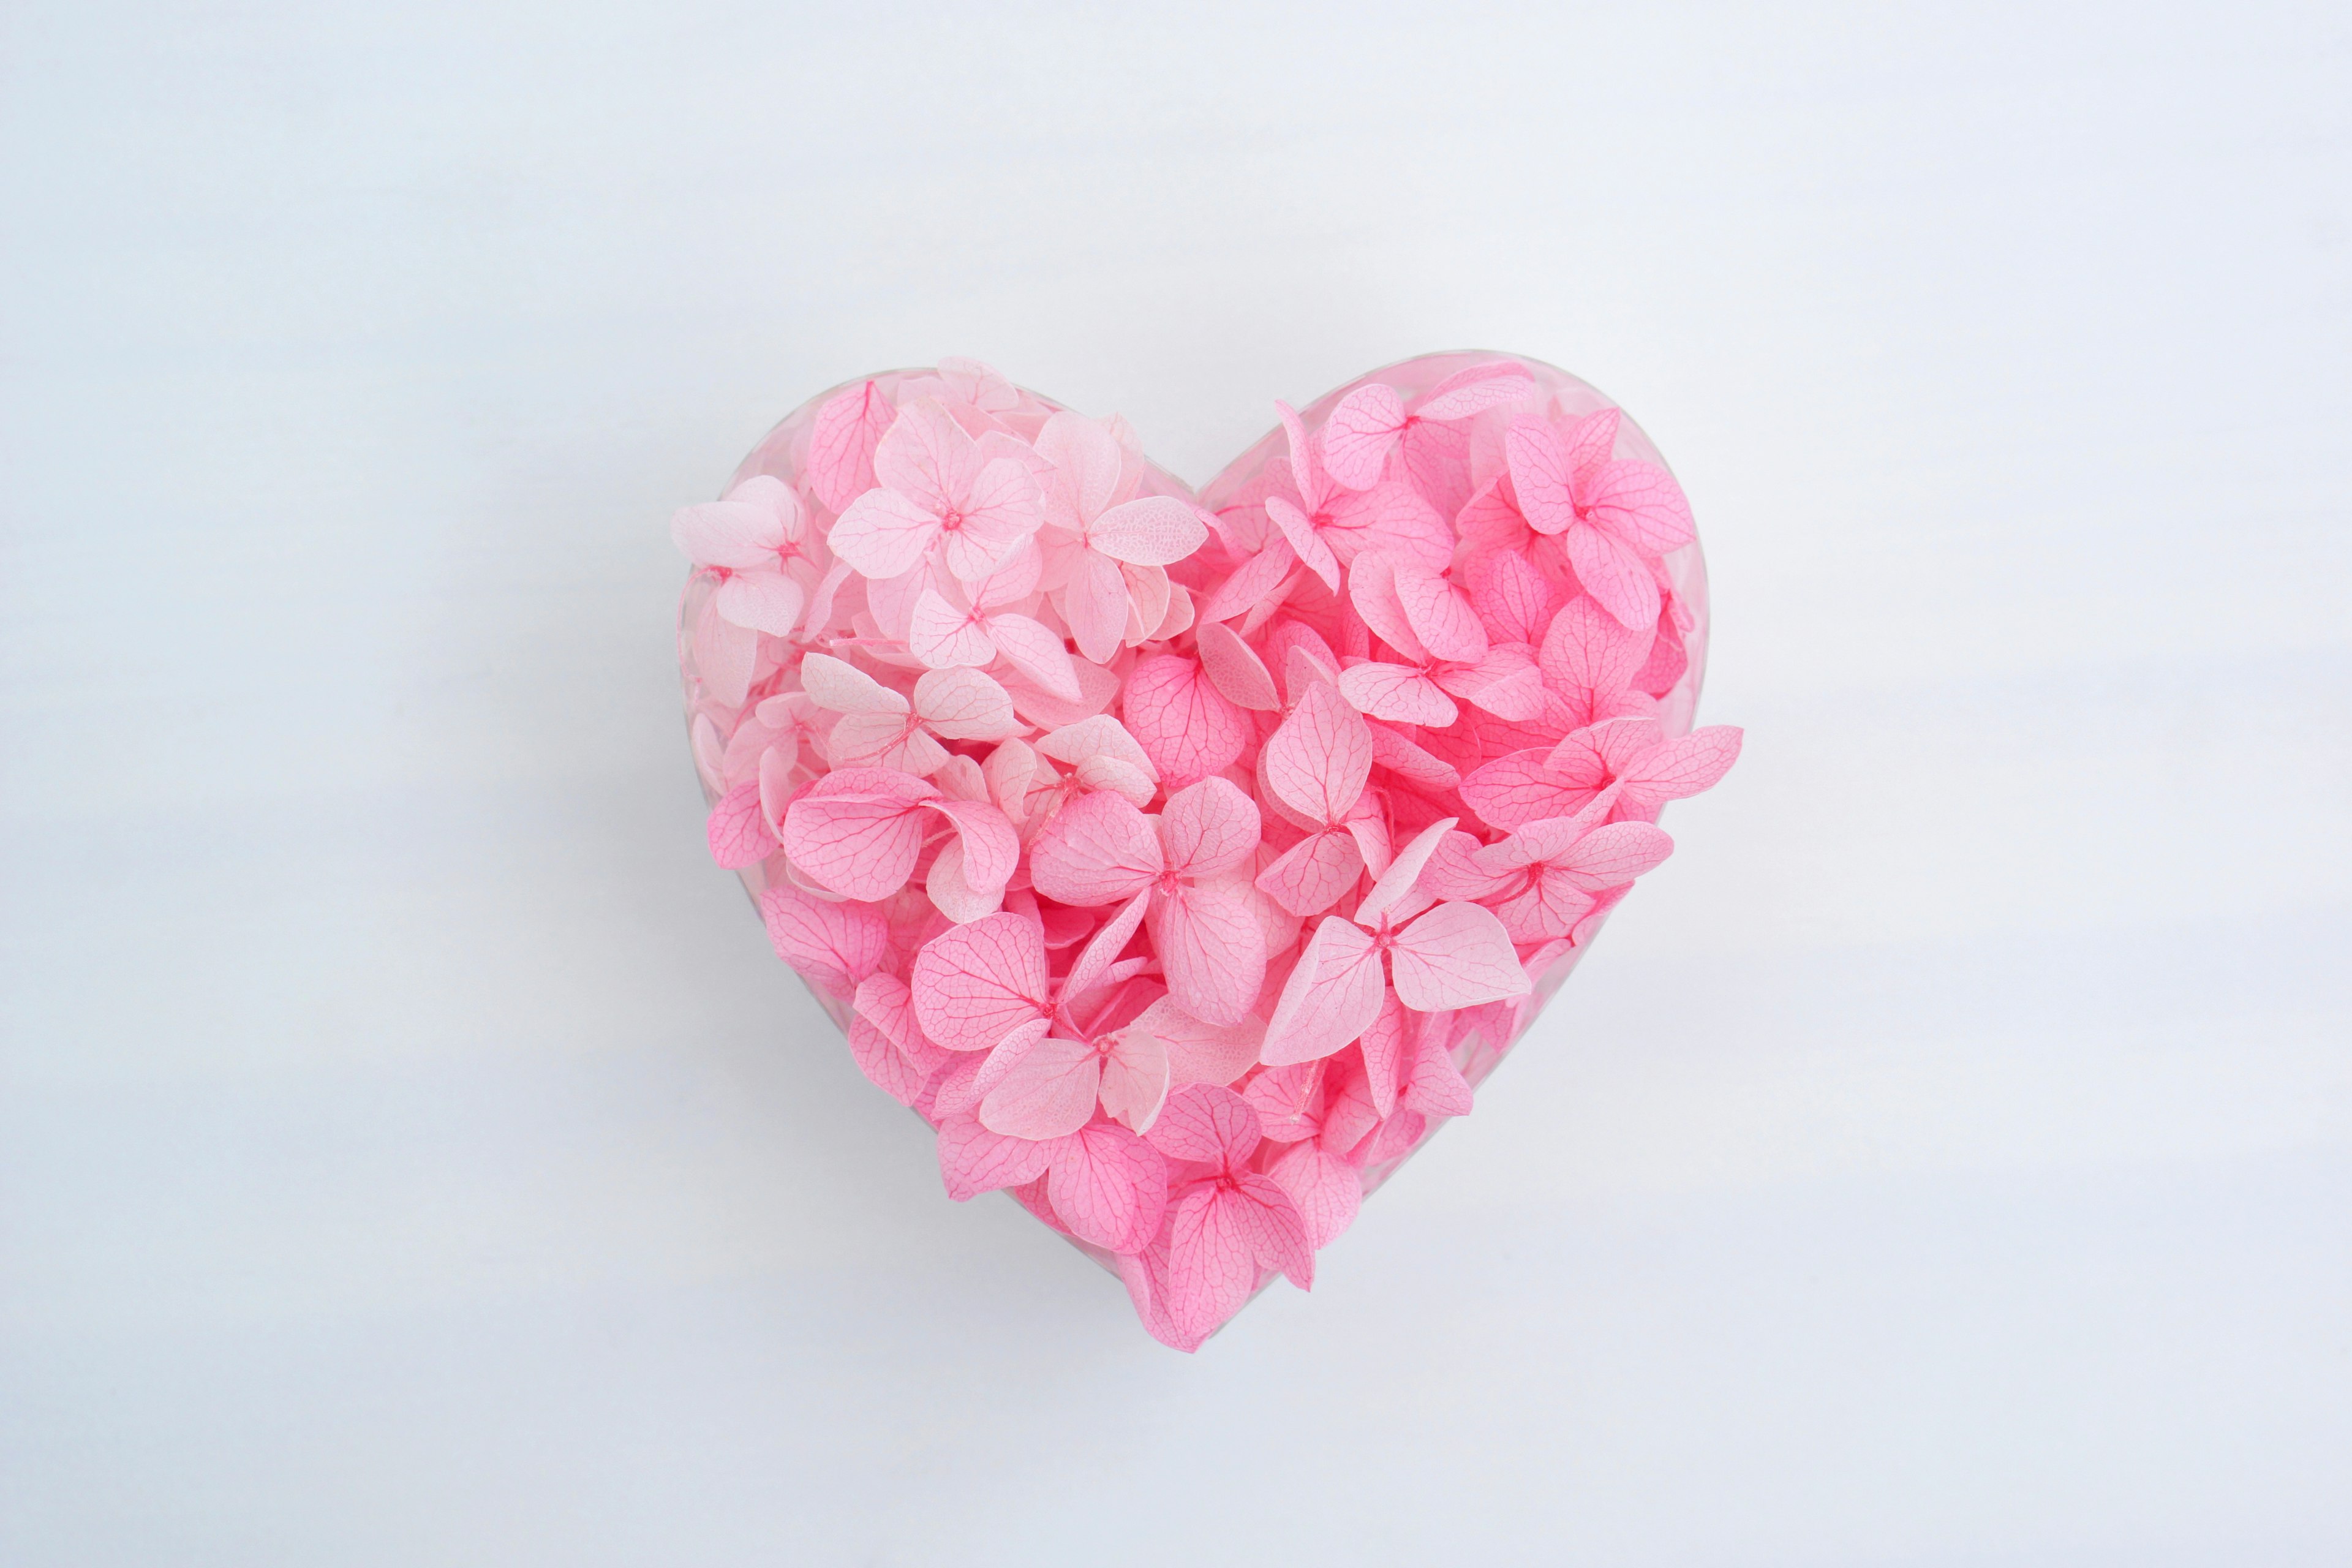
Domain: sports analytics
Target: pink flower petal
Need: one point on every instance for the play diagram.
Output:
(1397, 694)
(1097, 961)
(1051, 1091)
(1359, 434)
(1208, 827)
(737, 830)
(1198, 1051)
(738, 534)
(1473, 391)
(1641, 505)
(841, 687)
(1184, 724)
(1332, 996)
(1037, 652)
(1313, 551)
(1326, 1190)
(1512, 790)
(1213, 1267)
(1539, 475)
(976, 983)
(1202, 1123)
(1403, 873)
(769, 602)
(1152, 531)
(1135, 1079)
(883, 534)
(837, 946)
(1235, 668)
(861, 847)
(1095, 602)
(1314, 873)
(1440, 613)
(1110, 1186)
(944, 636)
(1318, 760)
(1213, 951)
(972, 1160)
(964, 705)
(1456, 955)
(1614, 575)
(1099, 850)
(842, 439)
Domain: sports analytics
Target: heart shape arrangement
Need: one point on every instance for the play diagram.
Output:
(1186, 860)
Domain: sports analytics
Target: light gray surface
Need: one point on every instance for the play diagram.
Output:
(411, 1153)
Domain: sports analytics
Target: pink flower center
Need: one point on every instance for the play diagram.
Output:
(952, 521)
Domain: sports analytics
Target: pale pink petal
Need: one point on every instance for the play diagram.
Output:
(1460, 870)
(925, 457)
(1201, 1052)
(1285, 1098)
(990, 848)
(843, 688)
(972, 1160)
(1049, 1092)
(884, 1065)
(1456, 955)
(861, 847)
(1401, 875)
(1391, 517)
(1610, 855)
(1473, 391)
(835, 944)
(884, 1001)
(1682, 768)
(1117, 776)
(944, 636)
(1319, 760)
(1313, 551)
(1095, 602)
(1097, 850)
(1008, 1053)
(769, 602)
(737, 830)
(724, 657)
(1413, 764)
(1086, 462)
(1435, 1085)
(1539, 475)
(1135, 1079)
(738, 534)
(1098, 736)
(1213, 951)
(1385, 1049)
(1110, 1186)
(1314, 873)
(1095, 964)
(1003, 510)
(1208, 827)
(964, 705)
(1397, 694)
(1505, 683)
(842, 439)
(1360, 433)
(889, 741)
(1326, 1190)
(883, 534)
(1332, 996)
(1014, 580)
(1235, 668)
(1205, 1124)
(1153, 530)
(1184, 724)
(976, 983)
(1252, 583)
(1037, 652)
(1614, 575)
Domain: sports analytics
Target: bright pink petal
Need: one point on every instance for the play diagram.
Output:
(837, 946)
(1386, 1052)
(1415, 765)
(990, 848)
(1332, 994)
(1512, 790)
(1277, 1230)
(1110, 1186)
(1099, 850)
(1102, 950)
(976, 983)
(1360, 433)
(1610, 855)
(1213, 1265)
(737, 830)
(1682, 768)
(972, 1160)
(883, 534)
(1440, 613)
(1539, 475)
(1458, 871)
(1208, 827)
(1614, 575)
(1285, 1100)
(1184, 724)
(1641, 505)
(1435, 1085)
(1252, 583)
(1372, 589)
(1400, 877)
(1513, 600)
(1213, 951)
(1587, 650)
(1456, 955)
(884, 1066)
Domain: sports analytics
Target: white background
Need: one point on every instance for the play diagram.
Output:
(412, 1153)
